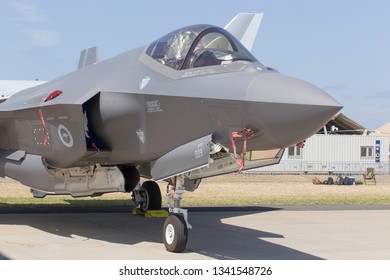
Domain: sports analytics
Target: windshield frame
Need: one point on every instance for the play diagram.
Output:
(239, 52)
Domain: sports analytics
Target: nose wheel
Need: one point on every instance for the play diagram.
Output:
(175, 233)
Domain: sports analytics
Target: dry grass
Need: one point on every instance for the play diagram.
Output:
(287, 190)
(232, 190)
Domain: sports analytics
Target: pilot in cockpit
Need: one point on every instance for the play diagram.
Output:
(213, 47)
(178, 47)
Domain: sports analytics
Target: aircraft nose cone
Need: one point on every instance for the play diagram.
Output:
(293, 109)
(279, 88)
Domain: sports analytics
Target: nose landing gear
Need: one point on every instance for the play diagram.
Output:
(176, 226)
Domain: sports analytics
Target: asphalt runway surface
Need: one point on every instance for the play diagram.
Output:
(225, 233)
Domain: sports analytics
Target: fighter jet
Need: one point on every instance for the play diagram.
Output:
(192, 104)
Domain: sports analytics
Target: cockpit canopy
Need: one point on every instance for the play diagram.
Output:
(198, 46)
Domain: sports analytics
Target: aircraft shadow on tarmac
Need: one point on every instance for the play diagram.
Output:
(236, 242)
(211, 236)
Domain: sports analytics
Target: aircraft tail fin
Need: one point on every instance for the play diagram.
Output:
(244, 27)
(87, 57)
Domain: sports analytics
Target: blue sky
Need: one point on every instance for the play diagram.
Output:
(341, 46)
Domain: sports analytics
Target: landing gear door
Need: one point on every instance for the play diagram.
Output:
(188, 157)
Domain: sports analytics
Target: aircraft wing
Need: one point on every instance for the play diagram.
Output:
(10, 87)
(244, 27)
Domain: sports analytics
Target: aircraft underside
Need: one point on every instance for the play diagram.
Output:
(183, 168)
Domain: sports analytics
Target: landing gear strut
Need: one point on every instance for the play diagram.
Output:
(176, 226)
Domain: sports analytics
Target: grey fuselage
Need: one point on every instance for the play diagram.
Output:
(137, 109)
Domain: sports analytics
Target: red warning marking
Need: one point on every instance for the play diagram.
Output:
(44, 128)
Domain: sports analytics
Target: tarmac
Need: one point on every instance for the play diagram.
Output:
(223, 233)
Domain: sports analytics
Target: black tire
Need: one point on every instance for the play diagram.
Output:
(131, 175)
(175, 234)
(152, 194)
